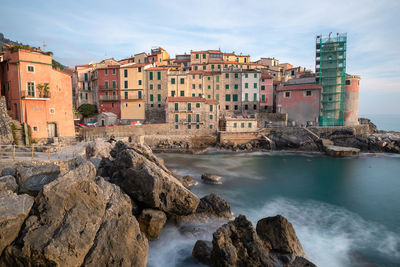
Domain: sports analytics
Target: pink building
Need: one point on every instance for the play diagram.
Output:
(301, 101)
(266, 92)
(109, 89)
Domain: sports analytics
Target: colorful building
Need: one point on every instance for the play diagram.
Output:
(250, 91)
(352, 88)
(37, 94)
(108, 81)
(157, 56)
(231, 92)
(266, 93)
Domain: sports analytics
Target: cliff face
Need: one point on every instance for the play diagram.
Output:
(5, 128)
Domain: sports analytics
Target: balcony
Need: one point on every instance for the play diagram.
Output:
(131, 99)
(36, 95)
(109, 98)
(104, 88)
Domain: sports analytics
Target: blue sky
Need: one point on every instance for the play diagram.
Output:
(82, 31)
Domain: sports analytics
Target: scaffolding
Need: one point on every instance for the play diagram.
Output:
(330, 70)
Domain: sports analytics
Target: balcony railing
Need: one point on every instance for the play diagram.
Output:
(109, 98)
(104, 88)
(36, 95)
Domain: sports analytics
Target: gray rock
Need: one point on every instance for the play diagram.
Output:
(9, 171)
(188, 181)
(202, 251)
(211, 178)
(13, 211)
(98, 149)
(8, 183)
(25, 173)
(278, 234)
(301, 262)
(339, 151)
(151, 223)
(79, 221)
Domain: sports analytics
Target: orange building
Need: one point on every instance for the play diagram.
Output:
(37, 94)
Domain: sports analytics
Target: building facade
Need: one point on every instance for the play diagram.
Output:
(266, 93)
(108, 79)
(250, 91)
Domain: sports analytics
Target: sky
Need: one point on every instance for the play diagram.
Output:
(79, 32)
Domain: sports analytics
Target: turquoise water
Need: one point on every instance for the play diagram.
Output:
(385, 122)
(338, 207)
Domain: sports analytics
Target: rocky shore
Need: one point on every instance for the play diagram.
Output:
(106, 208)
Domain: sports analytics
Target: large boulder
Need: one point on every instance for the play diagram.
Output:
(143, 177)
(202, 251)
(8, 183)
(151, 222)
(237, 244)
(31, 179)
(98, 149)
(278, 234)
(13, 211)
(79, 221)
(9, 171)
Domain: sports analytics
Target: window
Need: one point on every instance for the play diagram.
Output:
(246, 75)
(182, 93)
(189, 126)
(139, 82)
(193, 86)
(347, 81)
(182, 80)
(140, 95)
(139, 69)
(35, 128)
(211, 107)
(234, 125)
(126, 84)
(262, 87)
(176, 117)
(86, 96)
(197, 117)
(114, 84)
(227, 107)
(106, 84)
(246, 85)
(172, 93)
(227, 98)
(219, 66)
(158, 75)
(32, 69)
(255, 75)
(150, 75)
(217, 78)
(106, 71)
(255, 107)
(209, 96)
(263, 98)
(287, 94)
(197, 105)
(113, 71)
(199, 86)
(195, 68)
(211, 117)
(126, 95)
(31, 89)
(200, 94)
(227, 86)
(125, 73)
(189, 118)
(209, 87)
(236, 107)
(176, 106)
(246, 97)
(308, 93)
(211, 126)
(235, 98)
(292, 72)
(236, 75)
(52, 110)
(172, 80)
(189, 106)
(249, 125)
(255, 85)
(151, 87)
(255, 97)
(217, 96)
(151, 98)
(204, 56)
(226, 75)
(246, 107)
(158, 97)
(197, 56)
(236, 86)
(193, 94)
(217, 87)
(242, 125)
(176, 127)
(212, 66)
(159, 86)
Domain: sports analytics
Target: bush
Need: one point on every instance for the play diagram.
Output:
(87, 109)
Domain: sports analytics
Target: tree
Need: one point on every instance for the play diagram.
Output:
(87, 109)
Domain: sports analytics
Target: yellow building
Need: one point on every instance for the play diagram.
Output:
(178, 83)
(132, 91)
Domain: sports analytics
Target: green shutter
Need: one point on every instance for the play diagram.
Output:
(255, 85)
(172, 80)
(246, 85)
(151, 75)
(236, 86)
(227, 97)
(159, 98)
(176, 117)
(246, 97)
(226, 75)
(262, 87)
(182, 80)
(226, 86)
(255, 96)
(197, 117)
(197, 56)
(189, 106)
(140, 94)
(176, 106)
(211, 107)
(126, 95)
(151, 97)
(263, 98)
(235, 98)
(159, 75)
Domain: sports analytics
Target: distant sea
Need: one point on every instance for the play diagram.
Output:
(389, 122)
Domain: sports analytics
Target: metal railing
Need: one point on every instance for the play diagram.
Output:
(36, 95)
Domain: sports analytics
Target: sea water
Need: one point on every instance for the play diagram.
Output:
(344, 210)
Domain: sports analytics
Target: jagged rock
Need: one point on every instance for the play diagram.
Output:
(301, 262)
(13, 211)
(202, 251)
(151, 223)
(211, 178)
(98, 149)
(79, 221)
(237, 244)
(145, 178)
(31, 179)
(9, 171)
(8, 183)
(188, 181)
(278, 234)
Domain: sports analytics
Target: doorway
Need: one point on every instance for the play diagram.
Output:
(52, 129)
